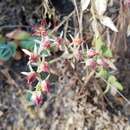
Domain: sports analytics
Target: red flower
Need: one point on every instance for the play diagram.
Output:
(91, 53)
(43, 22)
(46, 44)
(31, 77)
(37, 98)
(44, 67)
(33, 58)
(45, 86)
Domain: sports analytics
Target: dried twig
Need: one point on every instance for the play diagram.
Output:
(87, 79)
(65, 19)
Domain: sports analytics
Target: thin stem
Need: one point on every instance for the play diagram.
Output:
(30, 67)
(81, 24)
(77, 12)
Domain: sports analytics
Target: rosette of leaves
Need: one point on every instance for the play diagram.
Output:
(7, 51)
(105, 52)
(28, 43)
(20, 39)
(23, 39)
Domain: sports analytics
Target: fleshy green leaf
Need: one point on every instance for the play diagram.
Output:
(38, 87)
(99, 45)
(102, 48)
(28, 44)
(22, 35)
(107, 53)
(18, 34)
(7, 51)
(44, 75)
(117, 85)
(13, 47)
(112, 79)
(103, 73)
(45, 53)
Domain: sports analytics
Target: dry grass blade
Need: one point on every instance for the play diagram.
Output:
(86, 81)
(10, 81)
(61, 23)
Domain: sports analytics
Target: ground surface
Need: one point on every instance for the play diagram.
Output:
(64, 110)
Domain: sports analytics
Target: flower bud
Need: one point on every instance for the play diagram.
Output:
(31, 77)
(44, 67)
(46, 44)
